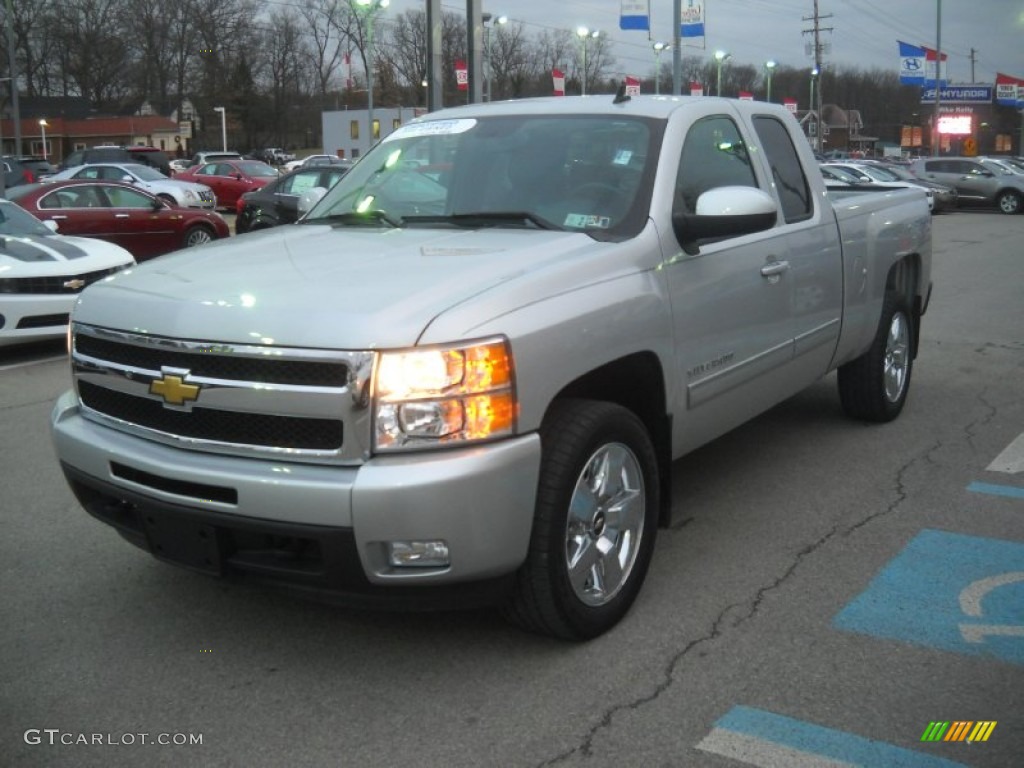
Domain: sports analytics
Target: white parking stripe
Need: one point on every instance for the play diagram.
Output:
(1011, 460)
(754, 751)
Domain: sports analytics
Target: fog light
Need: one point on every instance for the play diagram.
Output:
(418, 554)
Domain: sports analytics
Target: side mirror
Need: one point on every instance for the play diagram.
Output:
(725, 212)
(51, 225)
(159, 205)
(310, 198)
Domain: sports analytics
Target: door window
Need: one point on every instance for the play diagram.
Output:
(787, 172)
(714, 155)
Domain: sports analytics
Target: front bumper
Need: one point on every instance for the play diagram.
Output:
(30, 317)
(318, 528)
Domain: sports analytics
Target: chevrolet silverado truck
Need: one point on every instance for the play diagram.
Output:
(465, 373)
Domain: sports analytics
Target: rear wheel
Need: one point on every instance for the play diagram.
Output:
(594, 523)
(1009, 202)
(874, 386)
(197, 235)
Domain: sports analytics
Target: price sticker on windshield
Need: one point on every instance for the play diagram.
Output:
(432, 128)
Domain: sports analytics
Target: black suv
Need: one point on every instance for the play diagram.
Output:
(150, 156)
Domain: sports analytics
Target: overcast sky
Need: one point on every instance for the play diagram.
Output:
(864, 32)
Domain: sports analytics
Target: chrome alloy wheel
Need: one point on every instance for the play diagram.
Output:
(605, 524)
(897, 357)
(198, 236)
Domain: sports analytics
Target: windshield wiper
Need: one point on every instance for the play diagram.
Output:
(487, 219)
(351, 218)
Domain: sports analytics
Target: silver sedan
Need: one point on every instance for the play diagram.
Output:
(183, 193)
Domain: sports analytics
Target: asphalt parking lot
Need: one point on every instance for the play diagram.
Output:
(829, 593)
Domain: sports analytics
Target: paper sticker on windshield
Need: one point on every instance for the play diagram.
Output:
(622, 157)
(584, 221)
(433, 128)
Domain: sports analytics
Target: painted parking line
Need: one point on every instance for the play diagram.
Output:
(949, 591)
(757, 737)
(992, 489)
(1011, 460)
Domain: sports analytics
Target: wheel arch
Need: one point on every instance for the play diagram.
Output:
(637, 383)
(904, 278)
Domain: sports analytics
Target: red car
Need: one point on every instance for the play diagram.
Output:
(119, 213)
(230, 179)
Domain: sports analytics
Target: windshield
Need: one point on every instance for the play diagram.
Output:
(573, 173)
(146, 173)
(15, 220)
(257, 169)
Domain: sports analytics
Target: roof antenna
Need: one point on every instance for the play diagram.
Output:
(620, 95)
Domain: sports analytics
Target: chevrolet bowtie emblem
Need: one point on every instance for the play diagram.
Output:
(173, 389)
(74, 284)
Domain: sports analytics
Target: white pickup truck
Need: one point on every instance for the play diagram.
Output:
(465, 374)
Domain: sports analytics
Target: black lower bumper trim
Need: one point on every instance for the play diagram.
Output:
(322, 562)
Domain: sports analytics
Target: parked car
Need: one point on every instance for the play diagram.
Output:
(42, 273)
(176, 191)
(975, 183)
(945, 197)
(16, 174)
(276, 156)
(101, 154)
(877, 175)
(135, 219)
(180, 164)
(151, 156)
(40, 166)
(230, 179)
(201, 158)
(291, 165)
(278, 202)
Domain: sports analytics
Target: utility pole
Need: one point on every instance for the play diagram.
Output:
(816, 30)
(974, 60)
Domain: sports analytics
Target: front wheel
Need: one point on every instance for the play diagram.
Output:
(594, 524)
(197, 235)
(1009, 202)
(874, 386)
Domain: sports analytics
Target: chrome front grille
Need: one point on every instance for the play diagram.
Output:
(226, 398)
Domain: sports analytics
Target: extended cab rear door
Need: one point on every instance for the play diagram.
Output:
(740, 303)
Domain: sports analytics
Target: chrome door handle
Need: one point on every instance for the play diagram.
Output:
(58, 216)
(774, 268)
(121, 216)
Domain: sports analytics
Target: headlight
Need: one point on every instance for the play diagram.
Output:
(439, 396)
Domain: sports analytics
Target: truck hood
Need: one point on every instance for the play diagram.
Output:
(319, 286)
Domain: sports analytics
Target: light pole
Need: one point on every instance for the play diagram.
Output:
(370, 9)
(720, 58)
(486, 17)
(583, 34)
(42, 127)
(769, 67)
(658, 48)
(811, 118)
(223, 128)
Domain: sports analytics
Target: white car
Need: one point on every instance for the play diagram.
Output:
(184, 193)
(316, 160)
(42, 273)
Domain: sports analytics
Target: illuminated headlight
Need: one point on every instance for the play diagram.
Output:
(440, 396)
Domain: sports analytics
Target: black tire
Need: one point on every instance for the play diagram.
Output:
(579, 438)
(195, 235)
(874, 387)
(1009, 201)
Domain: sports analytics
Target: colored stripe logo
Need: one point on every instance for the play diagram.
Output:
(959, 730)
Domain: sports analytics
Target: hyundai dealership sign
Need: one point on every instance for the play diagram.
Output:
(959, 94)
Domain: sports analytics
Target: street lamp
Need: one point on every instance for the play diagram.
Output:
(583, 33)
(370, 8)
(811, 119)
(42, 127)
(223, 128)
(658, 48)
(769, 67)
(487, 49)
(720, 58)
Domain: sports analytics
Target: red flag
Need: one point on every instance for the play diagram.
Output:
(461, 75)
(558, 82)
(632, 85)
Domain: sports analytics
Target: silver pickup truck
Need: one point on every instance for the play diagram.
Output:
(465, 374)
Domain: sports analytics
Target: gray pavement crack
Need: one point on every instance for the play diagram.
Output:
(585, 748)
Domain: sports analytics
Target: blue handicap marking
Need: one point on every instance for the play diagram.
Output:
(950, 591)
